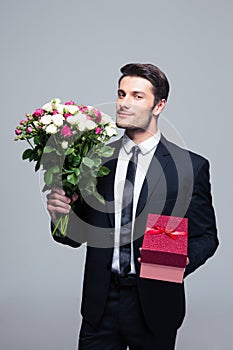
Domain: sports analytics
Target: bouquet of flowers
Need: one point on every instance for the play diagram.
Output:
(68, 141)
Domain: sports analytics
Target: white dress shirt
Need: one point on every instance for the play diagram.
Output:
(147, 150)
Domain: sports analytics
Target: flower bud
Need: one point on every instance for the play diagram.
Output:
(64, 144)
(18, 131)
(29, 129)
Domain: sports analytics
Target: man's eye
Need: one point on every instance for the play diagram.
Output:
(120, 94)
(138, 97)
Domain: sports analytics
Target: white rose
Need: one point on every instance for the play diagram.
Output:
(60, 108)
(110, 131)
(81, 120)
(72, 108)
(56, 101)
(64, 144)
(73, 119)
(57, 119)
(48, 107)
(46, 119)
(51, 129)
(90, 125)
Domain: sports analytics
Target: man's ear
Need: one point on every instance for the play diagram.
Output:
(159, 107)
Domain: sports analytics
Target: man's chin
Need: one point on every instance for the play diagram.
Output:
(122, 125)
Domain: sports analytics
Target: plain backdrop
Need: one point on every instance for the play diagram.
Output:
(73, 50)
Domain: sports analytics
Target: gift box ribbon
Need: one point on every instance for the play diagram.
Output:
(172, 233)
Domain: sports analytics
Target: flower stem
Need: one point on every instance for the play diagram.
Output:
(61, 226)
(30, 144)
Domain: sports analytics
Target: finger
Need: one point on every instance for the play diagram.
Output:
(53, 211)
(58, 197)
(58, 190)
(57, 203)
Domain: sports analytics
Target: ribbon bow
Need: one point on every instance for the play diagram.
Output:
(167, 231)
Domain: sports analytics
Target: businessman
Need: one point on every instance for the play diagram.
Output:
(148, 174)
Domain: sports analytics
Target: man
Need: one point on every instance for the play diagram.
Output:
(119, 308)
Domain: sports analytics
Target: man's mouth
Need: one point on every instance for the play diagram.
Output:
(124, 114)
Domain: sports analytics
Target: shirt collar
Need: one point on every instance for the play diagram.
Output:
(145, 147)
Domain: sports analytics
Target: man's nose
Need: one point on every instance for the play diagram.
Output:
(125, 101)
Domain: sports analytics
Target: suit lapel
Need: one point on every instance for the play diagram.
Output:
(157, 167)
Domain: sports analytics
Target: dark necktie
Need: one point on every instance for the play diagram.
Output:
(126, 214)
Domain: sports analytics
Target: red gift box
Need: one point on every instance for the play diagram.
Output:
(164, 248)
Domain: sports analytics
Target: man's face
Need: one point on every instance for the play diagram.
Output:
(134, 104)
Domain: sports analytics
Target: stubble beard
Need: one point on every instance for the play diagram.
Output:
(136, 128)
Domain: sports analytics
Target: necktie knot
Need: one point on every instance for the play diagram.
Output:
(135, 150)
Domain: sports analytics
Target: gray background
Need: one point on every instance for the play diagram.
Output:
(73, 50)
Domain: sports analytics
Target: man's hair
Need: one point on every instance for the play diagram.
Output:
(150, 72)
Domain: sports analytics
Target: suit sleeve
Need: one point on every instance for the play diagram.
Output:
(203, 240)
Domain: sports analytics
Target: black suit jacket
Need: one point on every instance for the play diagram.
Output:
(177, 184)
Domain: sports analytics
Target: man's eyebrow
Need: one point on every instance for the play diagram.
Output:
(134, 92)
(139, 92)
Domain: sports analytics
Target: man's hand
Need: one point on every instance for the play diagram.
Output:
(58, 203)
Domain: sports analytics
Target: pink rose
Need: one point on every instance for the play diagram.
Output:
(29, 129)
(98, 130)
(22, 122)
(38, 112)
(82, 108)
(55, 112)
(67, 115)
(89, 117)
(69, 103)
(18, 131)
(98, 119)
(97, 112)
(97, 115)
(66, 131)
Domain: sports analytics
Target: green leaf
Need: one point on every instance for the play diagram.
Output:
(85, 150)
(37, 140)
(97, 162)
(33, 156)
(99, 197)
(103, 171)
(88, 162)
(69, 151)
(106, 151)
(48, 177)
(39, 152)
(76, 160)
(77, 171)
(55, 169)
(91, 186)
(72, 178)
(27, 153)
(49, 149)
(94, 172)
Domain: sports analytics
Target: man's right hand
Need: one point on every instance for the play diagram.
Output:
(58, 203)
